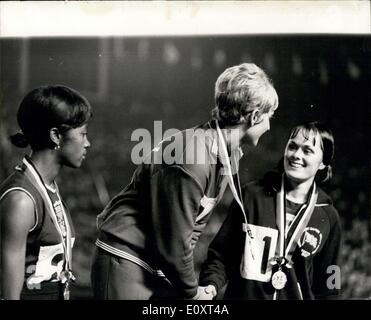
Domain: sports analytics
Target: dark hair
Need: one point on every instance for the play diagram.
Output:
(241, 89)
(47, 107)
(309, 129)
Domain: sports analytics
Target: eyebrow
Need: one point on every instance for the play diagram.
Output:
(303, 145)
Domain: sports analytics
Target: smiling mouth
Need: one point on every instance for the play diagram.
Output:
(295, 164)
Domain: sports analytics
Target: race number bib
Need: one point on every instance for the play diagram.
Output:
(258, 252)
(48, 266)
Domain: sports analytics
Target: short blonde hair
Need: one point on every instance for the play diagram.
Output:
(241, 89)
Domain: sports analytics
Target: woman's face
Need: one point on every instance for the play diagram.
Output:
(73, 147)
(303, 157)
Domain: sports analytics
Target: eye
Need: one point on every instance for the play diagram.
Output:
(292, 146)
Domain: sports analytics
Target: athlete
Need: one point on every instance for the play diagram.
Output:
(296, 230)
(36, 229)
(147, 233)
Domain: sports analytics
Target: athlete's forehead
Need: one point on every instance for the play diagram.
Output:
(305, 138)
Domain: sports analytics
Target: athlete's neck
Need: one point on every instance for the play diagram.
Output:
(298, 191)
(46, 164)
(232, 137)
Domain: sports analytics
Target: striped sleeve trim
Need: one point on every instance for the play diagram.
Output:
(32, 198)
(130, 257)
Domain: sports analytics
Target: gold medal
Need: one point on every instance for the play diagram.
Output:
(279, 280)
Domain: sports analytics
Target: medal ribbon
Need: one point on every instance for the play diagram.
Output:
(288, 239)
(36, 180)
(227, 166)
(238, 197)
(297, 226)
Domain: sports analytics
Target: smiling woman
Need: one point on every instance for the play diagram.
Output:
(310, 150)
(296, 230)
(36, 228)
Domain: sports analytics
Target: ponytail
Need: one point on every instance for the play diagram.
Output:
(19, 140)
(327, 174)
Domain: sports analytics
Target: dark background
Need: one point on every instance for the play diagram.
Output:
(131, 82)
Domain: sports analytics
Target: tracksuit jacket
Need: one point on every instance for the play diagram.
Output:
(158, 218)
(315, 259)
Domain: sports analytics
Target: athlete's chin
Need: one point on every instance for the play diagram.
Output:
(293, 176)
(75, 164)
(250, 142)
(255, 140)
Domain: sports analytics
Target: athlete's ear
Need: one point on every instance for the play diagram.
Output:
(55, 136)
(321, 166)
(255, 117)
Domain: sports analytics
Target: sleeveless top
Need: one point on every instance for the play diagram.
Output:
(45, 255)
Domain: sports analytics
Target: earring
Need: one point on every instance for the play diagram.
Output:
(57, 147)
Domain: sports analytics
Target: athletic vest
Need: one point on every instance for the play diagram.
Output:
(44, 249)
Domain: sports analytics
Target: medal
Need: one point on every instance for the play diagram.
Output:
(66, 277)
(289, 235)
(279, 280)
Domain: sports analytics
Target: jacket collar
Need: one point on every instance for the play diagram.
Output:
(272, 184)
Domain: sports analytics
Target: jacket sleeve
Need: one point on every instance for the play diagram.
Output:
(326, 268)
(225, 251)
(175, 201)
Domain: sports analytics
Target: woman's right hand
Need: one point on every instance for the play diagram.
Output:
(207, 293)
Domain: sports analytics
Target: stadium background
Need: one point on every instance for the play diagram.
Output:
(131, 82)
